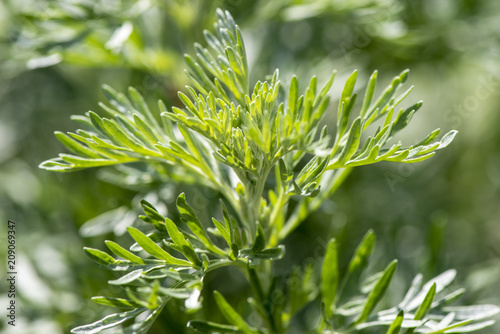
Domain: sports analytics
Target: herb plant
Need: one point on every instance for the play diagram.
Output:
(265, 150)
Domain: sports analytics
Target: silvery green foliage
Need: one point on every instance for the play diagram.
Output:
(425, 308)
(234, 139)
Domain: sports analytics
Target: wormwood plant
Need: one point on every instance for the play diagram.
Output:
(261, 148)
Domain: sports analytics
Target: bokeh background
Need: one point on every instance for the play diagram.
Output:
(439, 214)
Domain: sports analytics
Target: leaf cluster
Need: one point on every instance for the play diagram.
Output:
(425, 308)
(232, 139)
(168, 263)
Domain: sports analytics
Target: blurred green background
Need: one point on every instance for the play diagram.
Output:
(439, 214)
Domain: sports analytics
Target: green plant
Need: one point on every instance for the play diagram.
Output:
(264, 152)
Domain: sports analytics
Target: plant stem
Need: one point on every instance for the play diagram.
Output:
(254, 194)
(309, 205)
(261, 298)
(277, 224)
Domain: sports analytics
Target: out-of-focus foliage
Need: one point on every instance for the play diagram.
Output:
(432, 216)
